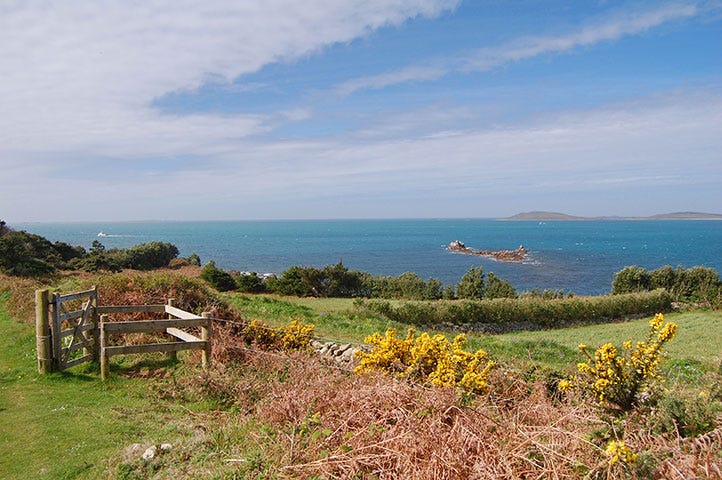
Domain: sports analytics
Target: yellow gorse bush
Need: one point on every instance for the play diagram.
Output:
(617, 378)
(296, 335)
(616, 450)
(427, 359)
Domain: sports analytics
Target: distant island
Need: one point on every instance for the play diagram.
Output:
(556, 216)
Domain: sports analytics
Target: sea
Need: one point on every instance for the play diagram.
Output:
(573, 256)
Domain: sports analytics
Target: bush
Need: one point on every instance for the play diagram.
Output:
(330, 281)
(219, 279)
(631, 279)
(250, 283)
(407, 285)
(26, 255)
(471, 284)
(616, 380)
(148, 256)
(427, 359)
(96, 262)
(293, 282)
(497, 288)
(696, 285)
(296, 335)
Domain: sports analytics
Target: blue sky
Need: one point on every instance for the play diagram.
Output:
(358, 109)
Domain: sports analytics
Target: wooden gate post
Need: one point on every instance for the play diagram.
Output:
(96, 329)
(171, 355)
(91, 335)
(104, 369)
(42, 331)
(206, 333)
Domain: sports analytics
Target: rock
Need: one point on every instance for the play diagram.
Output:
(166, 447)
(518, 255)
(149, 453)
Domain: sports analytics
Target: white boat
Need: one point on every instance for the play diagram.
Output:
(102, 234)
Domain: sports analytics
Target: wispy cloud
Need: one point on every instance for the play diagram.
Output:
(82, 76)
(489, 58)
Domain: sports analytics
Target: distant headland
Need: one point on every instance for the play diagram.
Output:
(556, 216)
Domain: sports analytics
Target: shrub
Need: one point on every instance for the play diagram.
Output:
(664, 277)
(296, 335)
(194, 259)
(220, 279)
(96, 262)
(250, 283)
(697, 284)
(471, 284)
(427, 359)
(292, 281)
(27, 255)
(616, 379)
(148, 256)
(631, 279)
(497, 288)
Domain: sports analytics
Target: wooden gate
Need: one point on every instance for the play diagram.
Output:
(70, 329)
(65, 324)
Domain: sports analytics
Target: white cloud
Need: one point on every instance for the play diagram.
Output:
(81, 76)
(652, 145)
(628, 24)
(489, 58)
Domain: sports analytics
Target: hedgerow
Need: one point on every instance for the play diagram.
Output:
(536, 310)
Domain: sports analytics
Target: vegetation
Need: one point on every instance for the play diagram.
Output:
(337, 281)
(28, 255)
(219, 279)
(616, 380)
(427, 359)
(497, 313)
(700, 285)
(278, 415)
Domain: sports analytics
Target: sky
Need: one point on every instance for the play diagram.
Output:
(120, 110)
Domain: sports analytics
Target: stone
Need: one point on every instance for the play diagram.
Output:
(149, 453)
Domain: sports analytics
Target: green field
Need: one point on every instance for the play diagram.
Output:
(336, 318)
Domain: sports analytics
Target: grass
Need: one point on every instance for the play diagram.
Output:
(336, 318)
(68, 425)
(692, 344)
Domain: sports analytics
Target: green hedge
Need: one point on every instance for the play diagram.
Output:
(545, 313)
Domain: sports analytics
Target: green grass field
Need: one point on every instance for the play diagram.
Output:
(336, 318)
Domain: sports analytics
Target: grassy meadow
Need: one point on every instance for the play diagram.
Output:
(291, 416)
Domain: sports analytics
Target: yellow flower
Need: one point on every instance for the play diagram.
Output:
(565, 385)
(657, 321)
(616, 450)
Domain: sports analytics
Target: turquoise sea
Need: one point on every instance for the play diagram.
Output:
(581, 257)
